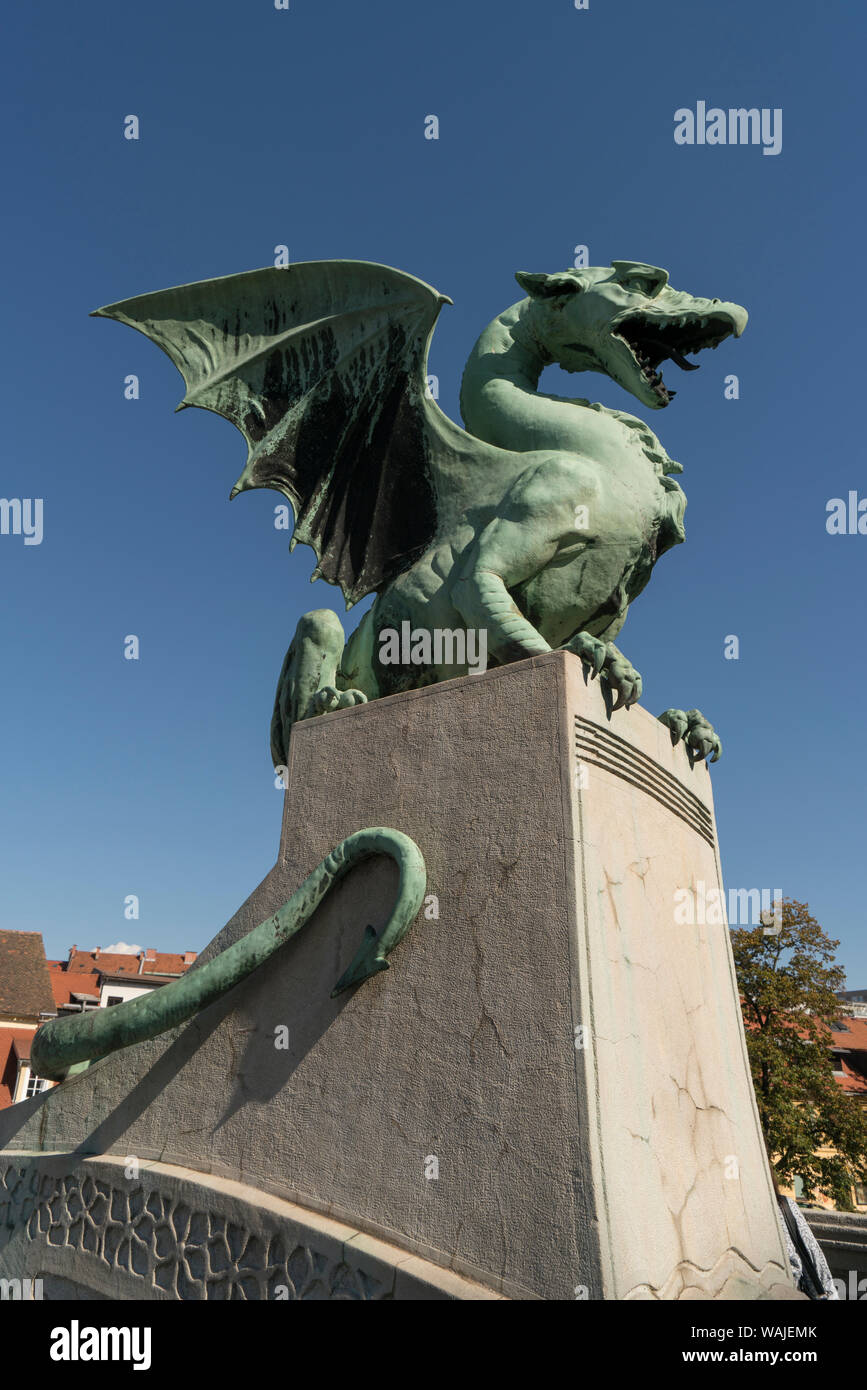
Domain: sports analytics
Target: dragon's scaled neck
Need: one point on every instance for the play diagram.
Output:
(500, 402)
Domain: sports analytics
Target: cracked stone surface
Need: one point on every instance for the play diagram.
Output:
(609, 1166)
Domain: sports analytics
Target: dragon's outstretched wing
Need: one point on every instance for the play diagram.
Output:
(322, 367)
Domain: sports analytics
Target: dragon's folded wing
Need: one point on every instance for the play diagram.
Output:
(322, 367)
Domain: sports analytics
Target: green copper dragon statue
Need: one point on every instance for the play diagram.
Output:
(538, 524)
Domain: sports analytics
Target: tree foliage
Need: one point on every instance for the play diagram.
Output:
(787, 982)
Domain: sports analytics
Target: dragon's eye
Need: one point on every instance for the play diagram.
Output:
(639, 283)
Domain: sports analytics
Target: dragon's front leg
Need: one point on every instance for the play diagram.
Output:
(537, 520)
(484, 602)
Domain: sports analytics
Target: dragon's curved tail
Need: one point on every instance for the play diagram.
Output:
(62, 1042)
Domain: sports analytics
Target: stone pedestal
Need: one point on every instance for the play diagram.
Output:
(546, 1095)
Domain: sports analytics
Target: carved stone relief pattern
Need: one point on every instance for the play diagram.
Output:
(159, 1238)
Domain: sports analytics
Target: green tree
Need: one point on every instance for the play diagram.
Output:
(787, 982)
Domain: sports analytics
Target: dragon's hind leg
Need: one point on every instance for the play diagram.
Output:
(308, 681)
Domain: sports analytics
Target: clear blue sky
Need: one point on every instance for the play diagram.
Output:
(305, 127)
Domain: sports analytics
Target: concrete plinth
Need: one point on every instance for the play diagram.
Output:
(547, 1094)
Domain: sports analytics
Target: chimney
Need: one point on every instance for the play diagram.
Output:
(141, 961)
(189, 957)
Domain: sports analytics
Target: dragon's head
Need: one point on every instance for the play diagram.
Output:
(625, 320)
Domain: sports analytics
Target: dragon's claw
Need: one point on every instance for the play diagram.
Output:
(697, 733)
(329, 698)
(591, 651)
(623, 679)
(604, 659)
(324, 700)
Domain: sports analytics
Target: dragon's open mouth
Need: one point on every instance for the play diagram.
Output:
(652, 338)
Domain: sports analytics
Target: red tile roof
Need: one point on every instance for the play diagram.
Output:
(25, 984)
(156, 963)
(850, 1081)
(854, 1034)
(9, 1034)
(65, 983)
(852, 1037)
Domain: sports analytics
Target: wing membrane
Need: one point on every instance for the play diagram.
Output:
(322, 367)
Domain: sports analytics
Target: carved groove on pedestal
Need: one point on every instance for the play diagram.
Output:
(606, 750)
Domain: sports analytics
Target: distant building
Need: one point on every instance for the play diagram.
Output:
(849, 1051)
(33, 990)
(849, 1062)
(113, 977)
(855, 1001)
(26, 1001)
